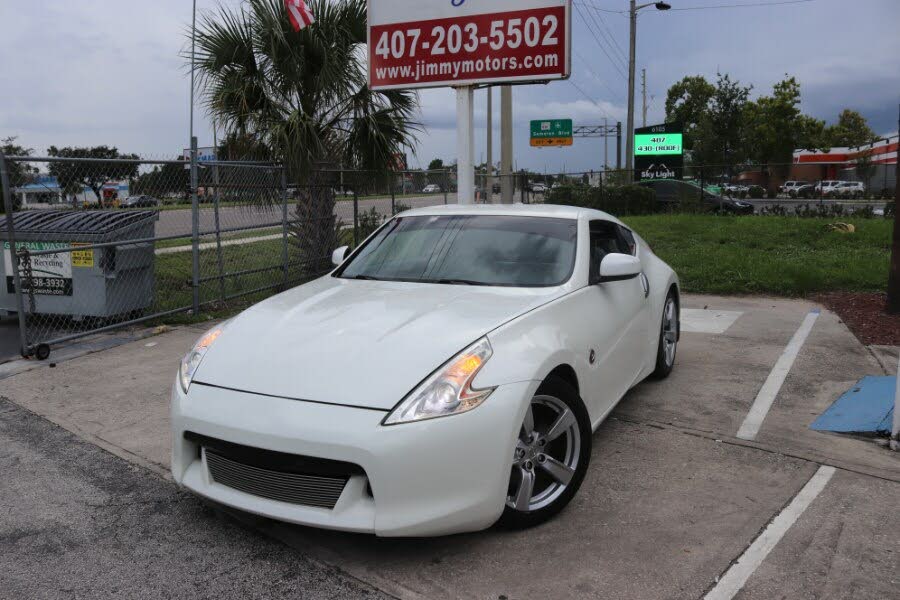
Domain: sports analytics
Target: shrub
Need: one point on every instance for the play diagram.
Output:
(757, 192)
(620, 200)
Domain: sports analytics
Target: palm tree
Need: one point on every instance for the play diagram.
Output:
(304, 95)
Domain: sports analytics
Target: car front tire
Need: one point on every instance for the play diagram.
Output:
(668, 337)
(550, 458)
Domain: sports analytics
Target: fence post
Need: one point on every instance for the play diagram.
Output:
(219, 260)
(524, 183)
(391, 179)
(24, 350)
(446, 185)
(195, 231)
(284, 224)
(355, 218)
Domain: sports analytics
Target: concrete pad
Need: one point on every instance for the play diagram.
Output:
(843, 546)
(887, 357)
(660, 515)
(717, 378)
(698, 320)
(118, 398)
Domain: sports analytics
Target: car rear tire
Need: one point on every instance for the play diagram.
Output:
(551, 456)
(669, 332)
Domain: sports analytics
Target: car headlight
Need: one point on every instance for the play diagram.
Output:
(447, 391)
(192, 359)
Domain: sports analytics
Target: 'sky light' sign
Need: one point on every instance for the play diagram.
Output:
(437, 43)
(658, 152)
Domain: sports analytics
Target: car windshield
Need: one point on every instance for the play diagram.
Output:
(469, 250)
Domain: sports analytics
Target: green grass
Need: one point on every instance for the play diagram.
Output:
(783, 256)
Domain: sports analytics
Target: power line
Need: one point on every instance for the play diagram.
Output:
(599, 43)
(594, 102)
(596, 15)
(593, 7)
(597, 75)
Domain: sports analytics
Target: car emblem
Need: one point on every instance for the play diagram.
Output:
(592, 357)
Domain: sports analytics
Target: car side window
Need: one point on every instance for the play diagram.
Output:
(605, 238)
(628, 239)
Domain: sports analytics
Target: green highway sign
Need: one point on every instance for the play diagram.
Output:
(553, 132)
(657, 144)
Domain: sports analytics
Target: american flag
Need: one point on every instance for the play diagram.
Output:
(299, 14)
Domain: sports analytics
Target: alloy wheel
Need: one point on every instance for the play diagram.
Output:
(670, 331)
(546, 455)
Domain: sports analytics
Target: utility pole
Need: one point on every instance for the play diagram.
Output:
(893, 299)
(489, 187)
(506, 145)
(632, 45)
(619, 145)
(644, 97)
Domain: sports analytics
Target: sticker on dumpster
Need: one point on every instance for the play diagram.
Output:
(51, 274)
(82, 258)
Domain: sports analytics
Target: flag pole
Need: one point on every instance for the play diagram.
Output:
(193, 63)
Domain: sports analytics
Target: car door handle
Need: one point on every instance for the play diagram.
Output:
(646, 284)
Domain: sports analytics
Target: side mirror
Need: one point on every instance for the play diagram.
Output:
(338, 256)
(618, 267)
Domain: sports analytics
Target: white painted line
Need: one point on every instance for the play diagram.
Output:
(766, 396)
(209, 245)
(698, 320)
(736, 576)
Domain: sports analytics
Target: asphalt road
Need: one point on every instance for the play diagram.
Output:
(178, 222)
(78, 522)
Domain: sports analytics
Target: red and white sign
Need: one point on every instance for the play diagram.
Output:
(438, 43)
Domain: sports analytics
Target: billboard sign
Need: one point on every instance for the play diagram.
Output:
(555, 132)
(658, 152)
(439, 43)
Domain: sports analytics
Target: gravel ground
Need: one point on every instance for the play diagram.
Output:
(865, 315)
(77, 522)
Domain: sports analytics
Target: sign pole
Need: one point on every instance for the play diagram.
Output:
(465, 145)
(506, 145)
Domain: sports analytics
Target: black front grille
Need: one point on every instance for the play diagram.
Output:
(307, 490)
(304, 480)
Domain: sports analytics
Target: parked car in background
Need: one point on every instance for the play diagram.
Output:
(825, 189)
(429, 415)
(142, 201)
(432, 188)
(673, 194)
(790, 187)
(735, 190)
(849, 190)
(538, 188)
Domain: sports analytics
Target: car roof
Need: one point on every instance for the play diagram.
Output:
(520, 210)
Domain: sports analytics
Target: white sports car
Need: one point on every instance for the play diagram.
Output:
(447, 375)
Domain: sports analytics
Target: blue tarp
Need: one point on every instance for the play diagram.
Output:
(868, 407)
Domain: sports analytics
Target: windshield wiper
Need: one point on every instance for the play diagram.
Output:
(364, 278)
(455, 281)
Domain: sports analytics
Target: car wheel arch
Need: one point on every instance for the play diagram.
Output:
(566, 373)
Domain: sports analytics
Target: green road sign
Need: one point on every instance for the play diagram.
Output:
(553, 132)
(657, 144)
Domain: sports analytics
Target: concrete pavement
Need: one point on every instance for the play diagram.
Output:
(672, 496)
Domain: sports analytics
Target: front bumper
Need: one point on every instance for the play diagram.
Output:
(435, 477)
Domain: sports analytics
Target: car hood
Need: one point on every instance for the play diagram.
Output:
(357, 343)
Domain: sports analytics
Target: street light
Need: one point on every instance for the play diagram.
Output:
(629, 141)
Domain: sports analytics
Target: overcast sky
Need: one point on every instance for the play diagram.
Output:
(109, 71)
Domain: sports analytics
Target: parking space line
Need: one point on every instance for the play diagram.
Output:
(738, 574)
(767, 393)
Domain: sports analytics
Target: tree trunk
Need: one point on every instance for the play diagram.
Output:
(315, 231)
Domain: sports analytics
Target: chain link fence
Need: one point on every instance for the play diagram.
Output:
(94, 245)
